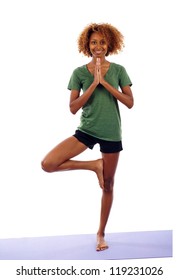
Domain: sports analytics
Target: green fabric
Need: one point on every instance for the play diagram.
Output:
(100, 115)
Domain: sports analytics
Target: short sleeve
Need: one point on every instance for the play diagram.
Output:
(74, 82)
(124, 79)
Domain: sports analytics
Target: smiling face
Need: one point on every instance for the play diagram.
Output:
(98, 45)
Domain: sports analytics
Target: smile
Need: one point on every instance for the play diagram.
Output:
(98, 52)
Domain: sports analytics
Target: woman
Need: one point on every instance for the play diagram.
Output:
(103, 84)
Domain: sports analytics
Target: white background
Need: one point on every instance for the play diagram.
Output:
(38, 53)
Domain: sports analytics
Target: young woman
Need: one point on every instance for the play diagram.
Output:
(103, 85)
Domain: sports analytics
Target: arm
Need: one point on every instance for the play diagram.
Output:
(77, 101)
(124, 97)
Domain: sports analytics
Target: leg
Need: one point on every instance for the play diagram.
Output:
(110, 164)
(59, 159)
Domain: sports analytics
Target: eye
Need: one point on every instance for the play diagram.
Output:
(103, 42)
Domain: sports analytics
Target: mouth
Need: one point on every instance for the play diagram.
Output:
(98, 52)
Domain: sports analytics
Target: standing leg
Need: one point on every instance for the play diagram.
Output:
(109, 164)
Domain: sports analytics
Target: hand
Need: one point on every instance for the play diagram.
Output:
(97, 71)
(98, 61)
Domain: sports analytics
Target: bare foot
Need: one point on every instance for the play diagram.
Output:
(99, 172)
(101, 243)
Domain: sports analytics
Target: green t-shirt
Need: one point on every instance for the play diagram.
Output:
(100, 115)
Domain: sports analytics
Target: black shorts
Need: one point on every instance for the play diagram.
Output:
(105, 146)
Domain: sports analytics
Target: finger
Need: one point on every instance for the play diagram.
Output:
(98, 61)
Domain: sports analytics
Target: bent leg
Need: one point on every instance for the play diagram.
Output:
(59, 159)
(64, 151)
(110, 162)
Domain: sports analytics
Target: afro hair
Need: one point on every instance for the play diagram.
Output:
(111, 34)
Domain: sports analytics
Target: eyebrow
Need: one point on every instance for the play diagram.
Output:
(97, 40)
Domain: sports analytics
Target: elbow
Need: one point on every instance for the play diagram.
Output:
(73, 110)
(130, 104)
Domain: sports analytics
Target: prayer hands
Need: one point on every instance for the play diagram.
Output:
(98, 73)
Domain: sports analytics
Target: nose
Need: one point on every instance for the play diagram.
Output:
(98, 47)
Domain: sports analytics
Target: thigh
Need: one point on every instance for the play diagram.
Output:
(66, 150)
(110, 161)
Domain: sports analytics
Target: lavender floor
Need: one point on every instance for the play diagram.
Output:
(125, 245)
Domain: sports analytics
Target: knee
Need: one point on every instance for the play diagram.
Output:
(108, 184)
(47, 166)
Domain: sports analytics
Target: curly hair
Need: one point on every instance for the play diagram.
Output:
(111, 34)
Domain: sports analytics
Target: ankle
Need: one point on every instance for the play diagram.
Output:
(100, 234)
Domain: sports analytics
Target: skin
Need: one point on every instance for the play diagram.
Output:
(60, 158)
